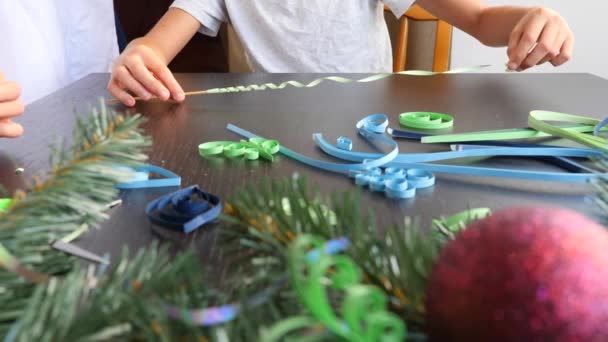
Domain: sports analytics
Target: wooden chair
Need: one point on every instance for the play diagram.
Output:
(443, 40)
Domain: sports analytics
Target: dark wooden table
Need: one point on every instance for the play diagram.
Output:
(477, 101)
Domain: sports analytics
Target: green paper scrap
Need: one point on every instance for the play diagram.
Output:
(538, 120)
(575, 131)
(426, 120)
(250, 150)
(337, 79)
(364, 316)
(5, 204)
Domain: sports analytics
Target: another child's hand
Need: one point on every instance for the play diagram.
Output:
(541, 36)
(140, 70)
(10, 107)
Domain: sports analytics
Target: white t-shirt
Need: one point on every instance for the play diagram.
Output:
(45, 45)
(304, 35)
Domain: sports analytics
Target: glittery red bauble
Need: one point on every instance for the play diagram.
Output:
(523, 274)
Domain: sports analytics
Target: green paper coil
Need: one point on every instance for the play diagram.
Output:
(426, 120)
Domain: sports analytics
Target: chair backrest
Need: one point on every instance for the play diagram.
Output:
(443, 40)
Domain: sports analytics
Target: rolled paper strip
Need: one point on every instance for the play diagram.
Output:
(394, 172)
(5, 204)
(538, 129)
(337, 79)
(184, 210)
(370, 127)
(221, 314)
(420, 160)
(600, 126)
(344, 143)
(142, 181)
(362, 179)
(377, 183)
(251, 150)
(234, 150)
(212, 148)
(420, 178)
(394, 189)
(426, 120)
(375, 171)
(397, 184)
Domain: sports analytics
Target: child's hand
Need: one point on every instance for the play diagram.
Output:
(10, 107)
(541, 36)
(142, 71)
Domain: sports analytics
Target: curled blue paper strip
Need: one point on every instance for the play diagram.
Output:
(141, 179)
(396, 183)
(371, 128)
(221, 314)
(344, 143)
(185, 210)
(598, 128)
(420, 160)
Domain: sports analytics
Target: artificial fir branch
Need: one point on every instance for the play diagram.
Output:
(600, 185)
(74, 194)
(267, 218)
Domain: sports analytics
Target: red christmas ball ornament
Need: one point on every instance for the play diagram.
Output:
(523, 274)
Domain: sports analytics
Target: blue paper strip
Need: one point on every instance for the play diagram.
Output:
(141, 179)
(185, 210)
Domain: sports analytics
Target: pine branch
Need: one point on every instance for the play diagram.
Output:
(600, 185)
(267, 218)
(74, 194)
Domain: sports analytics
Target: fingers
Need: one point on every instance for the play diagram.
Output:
(541, 36)
(565, 53)
(524, 37)
(9, 129)
(117, 90)
(11, 109)
(546, 48)
(9, 91)
(140, 71)
(166, 77)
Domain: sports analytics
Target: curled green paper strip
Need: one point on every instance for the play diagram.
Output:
(538, 118)
(538, 129)
(5, 203)
(251, 150)
(364, 315)
(337, 79)
(426, 120)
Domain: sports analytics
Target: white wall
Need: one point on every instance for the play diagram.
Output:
(587, 18)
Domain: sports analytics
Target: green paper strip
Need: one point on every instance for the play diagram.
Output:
(426, 120)
(251, 150)
(5, 204)
(364, 316)
(337, 79)
(539, 129)
(538, 118)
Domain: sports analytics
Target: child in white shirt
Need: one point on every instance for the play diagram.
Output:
(326, 36)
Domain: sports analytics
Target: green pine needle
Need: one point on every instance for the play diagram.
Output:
(74, 194)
